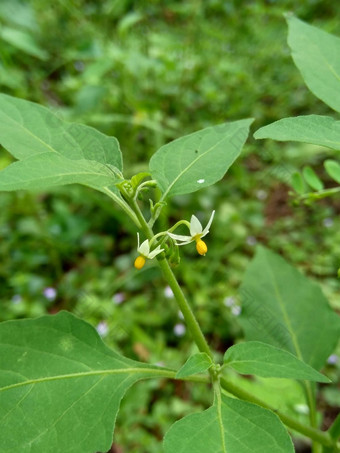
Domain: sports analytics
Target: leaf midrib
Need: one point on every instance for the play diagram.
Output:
(285, 315)
(17, 124)
(164, 373)
(193, 162)
(66, 410)
(219, 419)
(81, 172)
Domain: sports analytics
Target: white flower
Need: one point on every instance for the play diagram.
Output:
(168, 292)
(144, 252)
(196, 234)
(236, 310)
(179, 330)
(102, 328)
(50, 293)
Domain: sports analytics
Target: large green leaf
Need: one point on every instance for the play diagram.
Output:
(60, 386)
(283, 308)
(315, 129)
(50, 169)
(27, 128)
(261, 359)
(229, 426)
(316, 54)
(199, 159)
(52, 150)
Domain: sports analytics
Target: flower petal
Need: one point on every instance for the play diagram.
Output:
(195, 226)
(155, 252)
(206, 229)
(180, 237)
(144, 248)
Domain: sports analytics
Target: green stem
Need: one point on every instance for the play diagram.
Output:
(182, 302)
(310, 395)
(196, 332)
(313, 433)
(320, 194)
(126, 208)
(185, 308)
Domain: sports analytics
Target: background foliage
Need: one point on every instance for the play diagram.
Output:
(147, 73)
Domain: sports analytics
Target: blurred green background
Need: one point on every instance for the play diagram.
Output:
(148, 72)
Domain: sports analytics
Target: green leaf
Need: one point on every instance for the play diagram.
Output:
(23, 41)
(27, 128)
(199, 159)
(315, 129)
(333, 169)
(298, 183)
(60, 386)
(312, 178)
(315, 54)
(261, 359)
(286, 395)
(137, 179)
(229, 426)
(334, 430)
(283, 308)
(50, 169)
(52, 151)
(18, 13)
(197, 363)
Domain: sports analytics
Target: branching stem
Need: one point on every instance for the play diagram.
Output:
(316, 435)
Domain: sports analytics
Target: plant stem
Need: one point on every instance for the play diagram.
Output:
(185, 308)
(182, 302)
(310, 395)
(318, 436)
(126, 208)
(320, 194)
(313, 433)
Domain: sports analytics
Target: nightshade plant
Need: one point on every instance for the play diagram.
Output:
(60, 386)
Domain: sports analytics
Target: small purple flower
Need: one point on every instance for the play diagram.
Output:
(79, 66)
(261, 194)
(50, 293)
(118, 298)
(333, 359)
(102, 328)
(179, 330)
(328, 222)
(251, 240)
(16, 299)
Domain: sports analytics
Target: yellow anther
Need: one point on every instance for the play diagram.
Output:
(139, 262)
(201, 247)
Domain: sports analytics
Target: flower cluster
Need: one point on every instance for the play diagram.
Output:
(196, 234)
